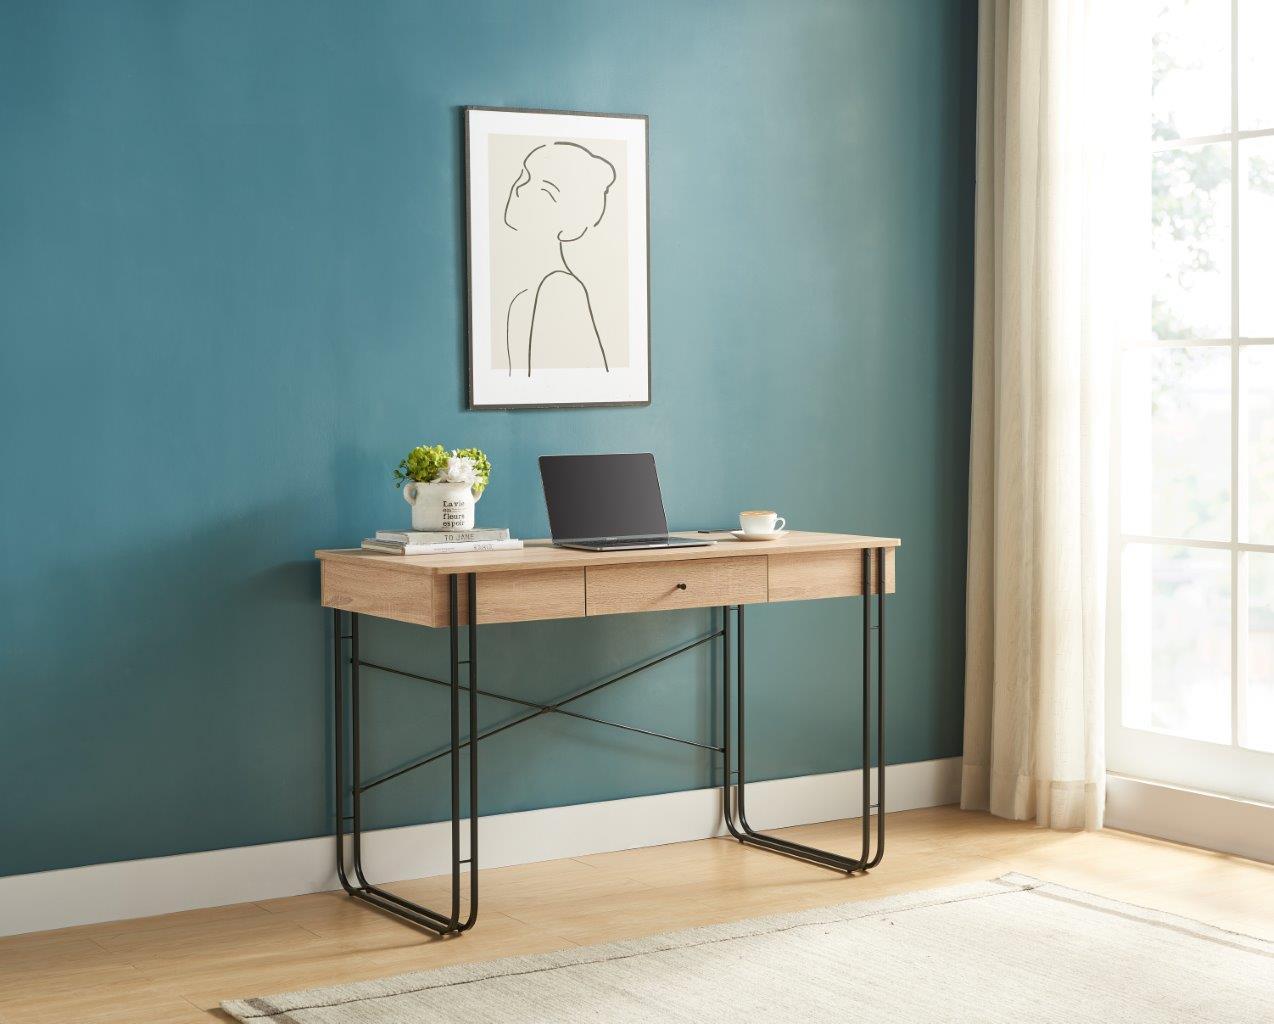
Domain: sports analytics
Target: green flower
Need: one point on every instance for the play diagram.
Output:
(424, 463)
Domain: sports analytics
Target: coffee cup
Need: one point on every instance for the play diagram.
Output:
(761, 522)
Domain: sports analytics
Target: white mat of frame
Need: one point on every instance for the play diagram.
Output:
(1013, 949)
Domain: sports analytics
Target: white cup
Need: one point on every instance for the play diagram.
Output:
(761, 522)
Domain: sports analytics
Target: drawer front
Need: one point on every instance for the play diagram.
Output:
(514, 596)
(808, 575)
(659, 586)
(370, 589)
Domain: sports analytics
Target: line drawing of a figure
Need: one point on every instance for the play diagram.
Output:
(558, 197)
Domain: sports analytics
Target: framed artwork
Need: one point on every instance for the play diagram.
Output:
(559, 264)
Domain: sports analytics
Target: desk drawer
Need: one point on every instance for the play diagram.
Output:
(513, 596)
(659, 586)
(369, 589)
(806, 575)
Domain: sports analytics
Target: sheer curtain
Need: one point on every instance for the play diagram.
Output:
(1059, 148)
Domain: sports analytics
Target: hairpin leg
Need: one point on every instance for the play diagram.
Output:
(363, 889)
(734, 781)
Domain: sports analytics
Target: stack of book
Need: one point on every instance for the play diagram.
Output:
(437, 542)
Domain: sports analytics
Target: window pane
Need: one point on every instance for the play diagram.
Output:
(1256, 727)
(1175, 674)
(1191, 69)
(1190, 234)
(1256, 69)
(1175, 429)
(1256, 381)
(1256, 236)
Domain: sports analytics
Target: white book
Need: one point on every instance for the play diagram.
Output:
(443, 536)
(390, 548)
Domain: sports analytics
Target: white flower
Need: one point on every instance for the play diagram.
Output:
(459, 470)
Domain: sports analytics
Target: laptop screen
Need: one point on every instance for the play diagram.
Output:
(592, 496)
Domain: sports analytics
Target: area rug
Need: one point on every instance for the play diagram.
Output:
(1010, 950)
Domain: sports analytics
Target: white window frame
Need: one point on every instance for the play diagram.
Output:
(1228, 769)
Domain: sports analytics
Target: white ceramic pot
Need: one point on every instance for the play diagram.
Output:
(440, 506)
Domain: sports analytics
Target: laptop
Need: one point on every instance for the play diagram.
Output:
(607, 503)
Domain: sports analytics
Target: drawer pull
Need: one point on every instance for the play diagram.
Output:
(681, 586)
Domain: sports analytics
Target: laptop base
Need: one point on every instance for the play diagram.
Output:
(633, 545)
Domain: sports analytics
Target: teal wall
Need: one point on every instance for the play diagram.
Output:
(232, 294)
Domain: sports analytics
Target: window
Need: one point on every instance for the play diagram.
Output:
(1191, 700)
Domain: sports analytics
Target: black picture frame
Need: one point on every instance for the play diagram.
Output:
(467, 140)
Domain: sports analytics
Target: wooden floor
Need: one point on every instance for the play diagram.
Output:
(177, 968)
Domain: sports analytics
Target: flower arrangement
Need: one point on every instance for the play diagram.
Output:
(433, 463)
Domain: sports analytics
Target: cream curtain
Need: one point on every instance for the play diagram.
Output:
(1059, 153)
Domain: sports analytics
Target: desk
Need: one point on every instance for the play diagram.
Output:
(544, 582)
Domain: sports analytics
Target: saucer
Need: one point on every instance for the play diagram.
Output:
(740, 535)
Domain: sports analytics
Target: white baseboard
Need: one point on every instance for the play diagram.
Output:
(162, 885)
(1221, 823)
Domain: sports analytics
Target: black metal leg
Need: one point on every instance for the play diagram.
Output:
(365, 890)
(338, 727)
(735, 811)
(727, 728)
(455, 748)
(880, 709)
(866, 745)
(472, 860)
